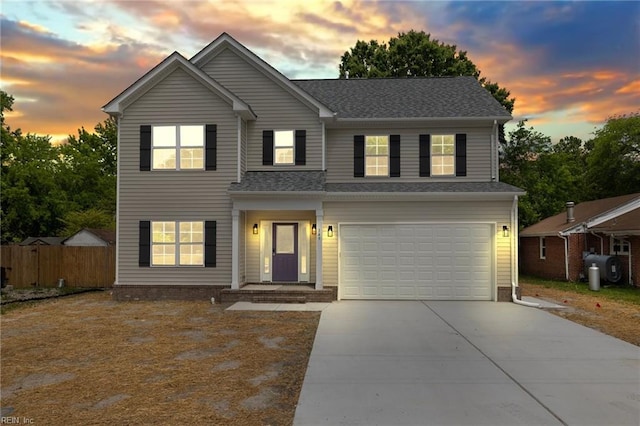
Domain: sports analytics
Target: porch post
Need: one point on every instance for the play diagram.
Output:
(319, 227)
(235, 248)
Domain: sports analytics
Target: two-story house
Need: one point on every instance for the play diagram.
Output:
(229, 173)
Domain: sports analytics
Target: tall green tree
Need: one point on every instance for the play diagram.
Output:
(76, 220)
(88, 168)
(415, 54)
(613, 163)
(550, 174)
(47, 189)
(32, 199)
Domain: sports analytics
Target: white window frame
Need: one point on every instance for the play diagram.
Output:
(177, 243)
(280, 135)
(624, 246)
(437, 170)
(178, 147)
(377, 156)
(543, 247)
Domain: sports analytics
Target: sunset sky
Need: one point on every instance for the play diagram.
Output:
(570, 65)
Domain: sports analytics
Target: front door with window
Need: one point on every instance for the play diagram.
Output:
(285, 252)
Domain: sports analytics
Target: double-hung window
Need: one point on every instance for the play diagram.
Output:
(619, 246)
(177, 243)
(283, 145)
(377, 156)
(543, 248)
(178, 147)
(443, 155)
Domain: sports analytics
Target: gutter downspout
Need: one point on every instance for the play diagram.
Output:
(601, 241)
(628, 241)
(118, 239)
(324, 147)
(514, 257)
(496, 148)
(239, 159)
(494, 151)
(566, 255)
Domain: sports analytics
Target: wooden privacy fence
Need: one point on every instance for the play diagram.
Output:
(43, 266)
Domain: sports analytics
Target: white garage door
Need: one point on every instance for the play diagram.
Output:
(417, 261)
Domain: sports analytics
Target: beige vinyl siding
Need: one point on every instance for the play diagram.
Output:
(494, 212)
(276, 108)
(253, 241)
(175, 195)
(340, 153)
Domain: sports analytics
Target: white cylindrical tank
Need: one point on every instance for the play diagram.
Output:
(594, 277)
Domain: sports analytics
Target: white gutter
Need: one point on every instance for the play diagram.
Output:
(566, 255)
(514, 257)
(601, 241)
(324, 147)
(502, 119)
(628, 241)
(118, 239)
(494, 152)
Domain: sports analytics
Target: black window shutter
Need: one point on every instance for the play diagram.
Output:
(425, 155)
(394, 156)
(211, 146)
(358, 156)
(301, 147)
(145, 148)
(210, 243)
(144, 243)
(461, 154)
(267, 147)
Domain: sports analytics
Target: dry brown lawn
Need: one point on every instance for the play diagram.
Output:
(620, 319)
(86, 359)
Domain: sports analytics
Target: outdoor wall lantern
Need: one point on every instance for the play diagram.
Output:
(505, 231)
(330, 231)
(314, 230)
(255, 229)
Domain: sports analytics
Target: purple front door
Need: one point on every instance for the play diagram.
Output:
(285, 252)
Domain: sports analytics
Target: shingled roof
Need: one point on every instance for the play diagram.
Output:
(314, 181)
(584, 213)
(280, 181)
(404, 187)
(417, 97)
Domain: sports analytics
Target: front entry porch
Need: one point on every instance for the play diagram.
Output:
(276, 242)
(279, 293)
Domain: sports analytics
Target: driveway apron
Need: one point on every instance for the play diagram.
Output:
(464, 363)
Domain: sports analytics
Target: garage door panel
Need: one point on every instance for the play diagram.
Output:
(424, 261)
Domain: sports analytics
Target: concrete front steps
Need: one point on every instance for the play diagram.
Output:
(278, 293)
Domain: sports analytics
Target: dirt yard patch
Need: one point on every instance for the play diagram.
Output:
(85, 359)
(620, 319)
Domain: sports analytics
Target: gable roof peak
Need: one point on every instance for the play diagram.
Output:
(172, 62)
(225, 40)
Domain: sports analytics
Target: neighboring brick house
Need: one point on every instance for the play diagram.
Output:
(230, 174)
(554, 247)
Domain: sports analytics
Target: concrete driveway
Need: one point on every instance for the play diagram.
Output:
(465, 363)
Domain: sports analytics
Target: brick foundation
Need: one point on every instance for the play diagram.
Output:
(164, 292)
(283, 295)
(504, 294)
(123, 293)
